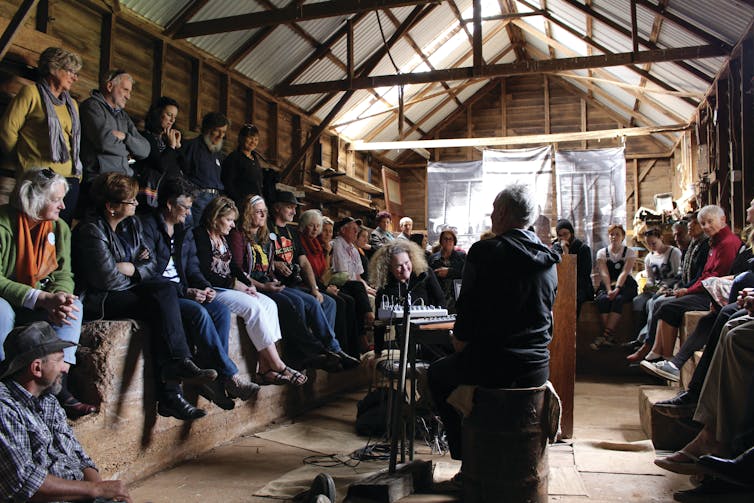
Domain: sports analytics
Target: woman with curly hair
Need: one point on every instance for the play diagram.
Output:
(397, 268)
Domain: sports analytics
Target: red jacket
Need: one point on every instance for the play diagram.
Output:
(724, 247)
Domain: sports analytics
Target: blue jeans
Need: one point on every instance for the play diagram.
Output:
(320, 317)
(208, 326)
(9, 317)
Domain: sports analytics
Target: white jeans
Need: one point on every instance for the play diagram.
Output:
(260, 314)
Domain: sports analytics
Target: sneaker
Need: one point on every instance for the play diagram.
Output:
(239, 387)
(663, 369)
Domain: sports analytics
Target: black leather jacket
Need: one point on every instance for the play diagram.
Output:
(96, 251)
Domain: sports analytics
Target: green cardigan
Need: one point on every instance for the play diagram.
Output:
(61, 280)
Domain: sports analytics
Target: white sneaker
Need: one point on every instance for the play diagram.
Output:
(663, 368)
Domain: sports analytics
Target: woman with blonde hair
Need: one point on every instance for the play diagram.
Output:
(396, 269)
(259, 313)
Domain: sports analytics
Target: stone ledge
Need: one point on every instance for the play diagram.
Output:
(129, 441)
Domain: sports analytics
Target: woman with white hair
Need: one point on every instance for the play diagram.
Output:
(41, 126)
(36, 282)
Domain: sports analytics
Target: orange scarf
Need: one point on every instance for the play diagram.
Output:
(36, 257)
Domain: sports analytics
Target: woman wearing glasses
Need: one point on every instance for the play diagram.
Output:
(243, 172)
(117, 274)
(41, 126)
(36, 283)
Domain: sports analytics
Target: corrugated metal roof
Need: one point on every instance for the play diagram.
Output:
(440, 38)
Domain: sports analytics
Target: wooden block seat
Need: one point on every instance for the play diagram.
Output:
(690, 321)
(666, 433)
(606, 361)
(128, 440)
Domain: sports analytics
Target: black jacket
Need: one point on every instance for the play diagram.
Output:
(185, 258)
(96, 250)
(505, 304)
(584, 288)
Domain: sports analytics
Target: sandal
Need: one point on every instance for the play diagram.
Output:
(687, 466)
(281, 377)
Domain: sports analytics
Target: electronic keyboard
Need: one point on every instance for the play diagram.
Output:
(433, 320)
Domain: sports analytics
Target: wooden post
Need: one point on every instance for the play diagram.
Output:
(563, 345)
(158, 71)
(195, 119)
(251, 105)
(6, 39)
(274, 130)
(106, 45)
(636, 185)
(503, 107)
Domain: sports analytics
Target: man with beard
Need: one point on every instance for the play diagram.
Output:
(202, 160)
(40, 459)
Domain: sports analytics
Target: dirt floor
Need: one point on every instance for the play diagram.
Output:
(609, 458)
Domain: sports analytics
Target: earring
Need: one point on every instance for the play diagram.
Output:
(112, 213)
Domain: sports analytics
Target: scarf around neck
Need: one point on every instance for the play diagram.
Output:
(36, 257)
(58, 145)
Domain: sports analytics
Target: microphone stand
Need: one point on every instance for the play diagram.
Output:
(397, 409)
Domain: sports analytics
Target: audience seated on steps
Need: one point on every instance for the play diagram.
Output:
(568, 243)
(117, 278)
(615, 263)
(692, 265)
(724, 246)
(207, 320)
(36, 281)
(258, 311)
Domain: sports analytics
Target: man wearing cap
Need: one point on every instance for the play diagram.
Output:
(202, 162)
(320, 310)
(40, 457)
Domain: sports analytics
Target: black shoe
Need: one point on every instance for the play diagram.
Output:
(738, 470)
(324, 485)
(348, 361)
(329, 362)
(174, 405)
(215, 393)
(709, 490)
(682, 405)
(186, 370)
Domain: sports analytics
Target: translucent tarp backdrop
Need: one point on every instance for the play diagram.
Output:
(590, 187)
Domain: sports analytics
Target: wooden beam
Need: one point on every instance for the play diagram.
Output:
(477, 47)
(642, 175)
(251, 105)
(694, 30)
(6, 39)
(106, 45)
(224, 93)
(290, 14)
(195, 119)
(188, 11)
(158, 70)
(513, 15)
(248, 46)
(43, 15)
(503, 107)
(627, 33)
(517, 68)
(322, 49)
(417, 14)
(517, 140)
(274, 123)
(634, 28)
(349, 50)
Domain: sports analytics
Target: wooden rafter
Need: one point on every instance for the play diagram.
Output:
(15, 23)
(416, 15)
(658, 105)
(514, 34)
(290, 14)
(656, 27)
(189, 10)
(492, 32)
(516, 140)
(627, 33)
(592, 44)
(459, 18)
(694, 30)
(518, 68)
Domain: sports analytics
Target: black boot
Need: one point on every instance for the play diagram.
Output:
(174, 405)
(738, 470)
(73, 407)
(183, 369)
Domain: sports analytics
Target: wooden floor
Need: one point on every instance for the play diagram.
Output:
(606, 414)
